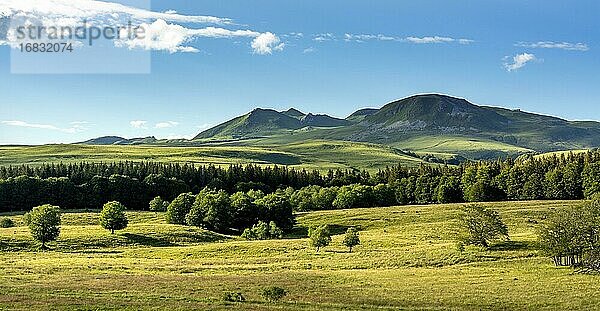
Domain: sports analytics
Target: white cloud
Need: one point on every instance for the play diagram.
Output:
(324, 37)
(309, 50)
(367, 37)
(163, 30)
(430, 40)
(518, 61)
(164, 125)
(417, 40)
(266, 43)
(138, 124)
(555, 45)
(94, 10)
(75, 127)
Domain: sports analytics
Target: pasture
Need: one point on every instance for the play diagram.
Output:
(408, 260)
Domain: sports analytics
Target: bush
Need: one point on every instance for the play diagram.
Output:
(113, 217)
(44, 223)
(179, 208)
(262, 231)
(482, 225)
(233, 297)
(319, 237)
(158, 205)
(6, 223)
(273, 293)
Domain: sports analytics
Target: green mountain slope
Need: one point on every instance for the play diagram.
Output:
(266, 122)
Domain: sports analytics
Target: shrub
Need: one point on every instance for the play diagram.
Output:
(6, 223)
(233, 297)
(319, 237)
(273, 293)
(179, 208)
(482, 225)
(158, 205)
(44, 223)
(113, 217)
(351, 238)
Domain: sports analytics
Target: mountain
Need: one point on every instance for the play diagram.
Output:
(433, 123)
(266, 122)
(116, 140)
(294, 113)
(361, 114)
(429, 124)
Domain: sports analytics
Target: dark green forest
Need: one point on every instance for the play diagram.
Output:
(90, 185)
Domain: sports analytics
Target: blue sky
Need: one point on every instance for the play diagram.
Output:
(540, 56)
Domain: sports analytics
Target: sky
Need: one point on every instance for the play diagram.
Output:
(209, 61)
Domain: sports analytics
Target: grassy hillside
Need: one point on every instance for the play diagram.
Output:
(408, 260)
(309, 155)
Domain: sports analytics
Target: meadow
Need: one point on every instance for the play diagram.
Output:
(408, 260)
(311, 155)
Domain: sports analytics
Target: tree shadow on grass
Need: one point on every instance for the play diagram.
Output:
(302, 232)
(512, 246)
(145, 240)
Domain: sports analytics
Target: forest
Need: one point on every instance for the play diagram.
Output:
(569, 176)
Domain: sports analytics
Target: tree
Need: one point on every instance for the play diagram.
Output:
(245, 212)
(482, 225)
(351, 238)
(158, 205)
(448, 190)
(569, 234)
(277, 207)
(319, 237)
(44, 223)
(113, 217)
(211, 210)
(591, 179)
(179, 208)
(263, 231)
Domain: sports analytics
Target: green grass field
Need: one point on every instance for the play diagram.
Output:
(408, 260)
(320, 155)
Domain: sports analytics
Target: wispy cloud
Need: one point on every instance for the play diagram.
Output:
(348, 37)
(139, 124)
(163, 30)
(437, 40)
(518, 61)
(309, 50)
(164, 125)
(322, 37)
(555, 45)
(75, 127)
(367, 37)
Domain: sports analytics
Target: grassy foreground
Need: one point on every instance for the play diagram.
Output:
(408, 260)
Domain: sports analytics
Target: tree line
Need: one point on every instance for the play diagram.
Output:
(89, 185)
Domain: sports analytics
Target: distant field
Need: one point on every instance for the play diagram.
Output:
(310, 155)
(408, 260)
(469, 147)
